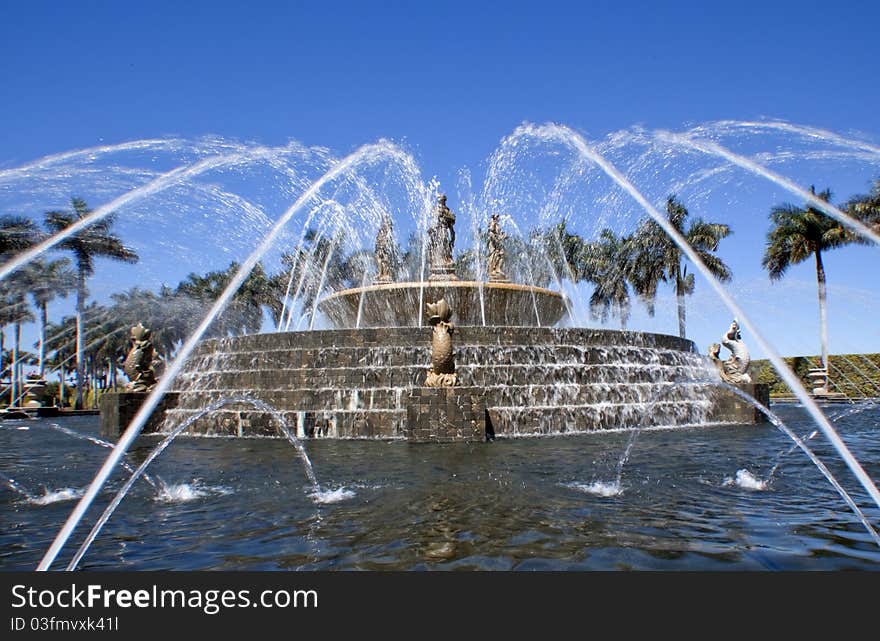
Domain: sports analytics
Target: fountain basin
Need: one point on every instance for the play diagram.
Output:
(513, 381)
(473, 303)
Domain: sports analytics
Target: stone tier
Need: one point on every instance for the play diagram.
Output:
(368, 383)
(494, 304)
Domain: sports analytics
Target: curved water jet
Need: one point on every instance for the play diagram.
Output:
(173, 177)
(777, 422)
(158, 484)
(812, 132)
(141, 470)
(710, 147)
(569, 137)
(366, 153)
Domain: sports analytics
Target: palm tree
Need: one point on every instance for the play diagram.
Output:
(17, 233)
(61, 350)
(658, 258)
(866, 208)
(562, 252)
(607, 263)
(244, 313)
(46, 280)
(799, 233)
(96, 240)
(15, 312)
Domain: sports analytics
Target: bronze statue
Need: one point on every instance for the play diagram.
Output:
(736, 368)
(385, 252)
(497, 254)
(138, 365)
(441, 241)
(442, 372)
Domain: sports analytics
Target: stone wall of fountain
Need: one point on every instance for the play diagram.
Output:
(475, 303)
(524, 380)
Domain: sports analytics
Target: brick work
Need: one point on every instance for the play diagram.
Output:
(119, 408)
(445, 415)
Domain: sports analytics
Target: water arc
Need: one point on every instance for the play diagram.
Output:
(781, 426)
(367, 152)
(710, 147)
(141, 470)
(573, 139)
(168, 179)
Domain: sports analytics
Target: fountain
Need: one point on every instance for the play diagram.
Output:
(436, 354)
(519, 374)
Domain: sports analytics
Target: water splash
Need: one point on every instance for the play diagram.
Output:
(615, 487)
(186, 492)
(46, 498)
(324, 497)
(598, 488)
(777, 422)
(54, 496)
(747, 481)
(120, 495)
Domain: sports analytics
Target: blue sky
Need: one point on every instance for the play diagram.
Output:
(452, 78)
(449, 80)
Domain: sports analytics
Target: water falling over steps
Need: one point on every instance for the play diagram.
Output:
(516, 381)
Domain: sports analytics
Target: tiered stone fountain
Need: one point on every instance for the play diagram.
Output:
(514, 374)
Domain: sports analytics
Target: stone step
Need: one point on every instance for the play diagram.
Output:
(396, 398)
(286, 358)
(465, 335)
(243, 420)
(408, 376)
(569, 419)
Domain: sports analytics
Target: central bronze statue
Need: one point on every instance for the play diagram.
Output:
(497, 253)
(441, 242)
(384, 253)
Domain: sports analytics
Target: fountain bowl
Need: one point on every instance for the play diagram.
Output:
(499, 304)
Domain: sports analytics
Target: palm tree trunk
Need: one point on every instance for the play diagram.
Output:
(823, 311)
(44, 320)
(13, 376)
(2, 347)
(679, 294)
(61, 387)
(80, 339)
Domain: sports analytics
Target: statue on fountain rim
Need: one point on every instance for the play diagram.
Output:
(138, 365)
(497, 253)
(384, 253)
(441, 241)
(735, 369)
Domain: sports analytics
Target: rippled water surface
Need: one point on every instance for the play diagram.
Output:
(688, 499)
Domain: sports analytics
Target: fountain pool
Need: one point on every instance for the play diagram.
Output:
(525, 504)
